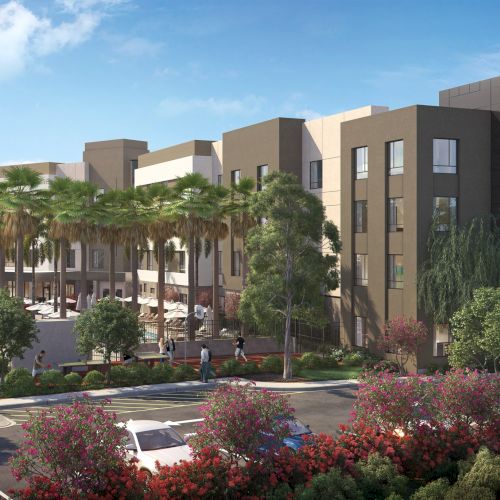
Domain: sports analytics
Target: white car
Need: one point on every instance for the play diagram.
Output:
(149, 441)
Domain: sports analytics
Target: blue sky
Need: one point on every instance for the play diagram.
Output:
(167, 71)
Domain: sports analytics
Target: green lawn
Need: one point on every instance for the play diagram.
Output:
(338, 373)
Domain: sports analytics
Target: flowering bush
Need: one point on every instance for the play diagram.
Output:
(403, 337)
(237, 418)
(72, 446)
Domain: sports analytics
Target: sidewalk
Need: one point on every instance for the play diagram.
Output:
(118, 392)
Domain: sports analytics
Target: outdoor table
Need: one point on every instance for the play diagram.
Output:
(68, 367)
(151, 357)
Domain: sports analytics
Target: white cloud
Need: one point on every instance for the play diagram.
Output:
(82, 5)
(307, 114)
(248, 105)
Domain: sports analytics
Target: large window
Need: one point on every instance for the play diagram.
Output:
(395, 215)
(445, 212)
(444, 156)
(70, 258)
(235, 176)
(441, 340)
(361, 270)
(396, 271)
(360, 216)
(316, 174)
(262, 171)
(97, 259)
(236, 263)
(361, 162)
(360, 338)
(396, 157)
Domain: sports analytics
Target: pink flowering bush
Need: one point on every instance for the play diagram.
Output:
(403, 337)
(73, 446)
(239, 419)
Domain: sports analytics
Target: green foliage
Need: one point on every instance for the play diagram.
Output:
(476, 331)
(435, 490)
(108, 327)
(272, 364)
(230, 368)
(250, 367)
(310, 360)
(281, 492)
(139, 374)
(73, 380)
(185, 372)
(458, 261)
(52, 378)
(18, 330)
(120, 376)
(378, 478)
(19, 382)
(354, 358)
(93, 380)
(297, 366)
(332, 485)
(161, 373)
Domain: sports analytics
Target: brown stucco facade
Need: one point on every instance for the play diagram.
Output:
(190, 148)
(417, 126)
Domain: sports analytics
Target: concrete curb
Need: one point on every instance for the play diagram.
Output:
(121, 392)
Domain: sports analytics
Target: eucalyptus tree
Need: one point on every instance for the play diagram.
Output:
(22, 203)
(190, 208)
(161, 228)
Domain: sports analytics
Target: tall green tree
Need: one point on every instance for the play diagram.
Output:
(475, 330)
(21, 203)
(18, 330)
(288, 271)
(108, 328)
(458, 262)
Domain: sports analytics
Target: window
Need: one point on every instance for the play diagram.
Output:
(361, 270)
(149, 260)
(235, 176)
(360, 338)
(133, 167)
(152, 291)
(441, 340)
(360, 216)
(97, 259)
(236, 263)
(70, 258)
(396, 157)
(445, 212)
(183, 298)
(220, 262)
(219, 180)
(361, 162)
(316, 174)
(396, 271)
(182, 261)
(396, 215)
(262, 171)
(444, 156)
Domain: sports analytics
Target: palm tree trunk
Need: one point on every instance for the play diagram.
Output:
(19, 266)
(161, 289)
(33, 283)
(112, 275)
(191, 284)
(134, 264)
(55, 282)
(62, 277)
(3, 280)
(83, 276)
(244, 263)
(215, 287)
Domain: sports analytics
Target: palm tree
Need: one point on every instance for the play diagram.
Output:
(21, 203)
(75, 220)
(217, 229)
(37, 249)
(190, 208)
(160, 228)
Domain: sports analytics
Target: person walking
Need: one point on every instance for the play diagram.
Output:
(171, 349)
(163, 349)
(205, 363)
(240, 343)
(38, 365)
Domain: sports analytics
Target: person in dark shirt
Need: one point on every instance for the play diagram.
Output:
(240, 343)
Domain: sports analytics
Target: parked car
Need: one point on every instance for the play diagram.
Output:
(149, 441)
(297, 430)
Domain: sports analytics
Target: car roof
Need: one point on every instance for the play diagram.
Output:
(145, 425)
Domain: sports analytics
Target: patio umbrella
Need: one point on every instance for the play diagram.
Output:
(69, 314)
(172, 306)
(79, 302)
(140, 300)
(93, 300)
(176, 314)
(153, 302)
(210, 314)
(89, 299)
(35, 307)
(68, 301)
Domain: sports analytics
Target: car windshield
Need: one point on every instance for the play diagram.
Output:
(157, 439)
(296, 428)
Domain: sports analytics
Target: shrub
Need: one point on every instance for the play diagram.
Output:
(185, 372)
(311, 360)
(354, 358)
(332, 485)
(435, 490)
(120, 376)
(384, 365)
(296, 366)
(52, 378)
(338, 353)
(250, 367)
(93, 380)
(73, 380)
(139, 374)
(272, 364)
(19, 382)
(161, 373)
(230, 368)
(17, 375)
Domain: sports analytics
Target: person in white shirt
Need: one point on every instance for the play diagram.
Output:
(162, 348)
(205, 363)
